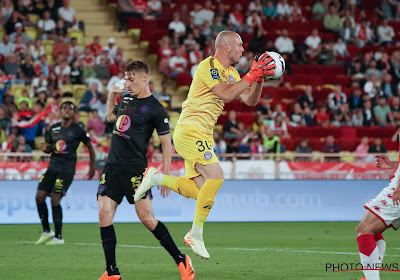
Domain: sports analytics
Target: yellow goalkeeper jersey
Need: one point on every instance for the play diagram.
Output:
(203, 107)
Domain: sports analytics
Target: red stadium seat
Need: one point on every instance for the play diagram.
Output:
(183, 79)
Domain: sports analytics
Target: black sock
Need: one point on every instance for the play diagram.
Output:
(162, 234)
(44, 216)
(109, 241)
(57, 219)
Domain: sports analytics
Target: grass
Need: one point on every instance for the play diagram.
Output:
(238, 251)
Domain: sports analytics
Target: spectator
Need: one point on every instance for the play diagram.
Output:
(283, 9)
(163, 95)
(364, 34)
(362, 150)
(245, 63)
(279, 127)
(332, 19)
(111, 49)
(384, 9)
(372, 70)
(297, 14)
(269, 10)
(219, 144)
(22, 146)
(125, 9)
(12, 21)
(11, 65)
(388, 87)
(271, 142)
(19, 47)
(348, 16)
(368, 114)
(96, 123)
(231, 127)
(26, 70)
(322, 116)
(331, 147)
(19, 32)
(283, 43)
(195, 13)
(6, 47)
(178, 63)
(60, 47)
(303, 148)
(236, 18)
(395, 109)
(95, 47)
(177, 26)
(279, 110)
(385, 33)
(184, 13)
(8, 145)
(319, 9)
(205, 14)
(6, 11)
(336, 98)
(101, 107)
(347, 32)
(36, 50)
(69, 16)
(296, 118)
(308, 117)
(63, 72)
(253, 22)
(355, 99)
(89, 98)
(313, 42)
(46, 26)
(60, 29)
(39, 83)
(100, 155)
(257, 41)
(377, 147)
(326, 55)
(154, 8)
(75, 73)
(102, 70)
(340, 49)
(382, 113)
(357, 119)
(259, 125)
(395, 66)
(357, 73)
(218, 25)
(264, 109)
(372, 87)
(165, 52)
(199, 38)
(337, 119)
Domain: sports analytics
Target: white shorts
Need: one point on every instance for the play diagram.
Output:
(382, 206)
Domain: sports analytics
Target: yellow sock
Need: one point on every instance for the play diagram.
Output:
(182, 185)
(205, 200)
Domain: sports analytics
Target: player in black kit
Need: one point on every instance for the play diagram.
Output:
(62, 140)
(136, 116)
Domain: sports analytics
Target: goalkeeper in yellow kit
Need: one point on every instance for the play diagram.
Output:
(215, 83)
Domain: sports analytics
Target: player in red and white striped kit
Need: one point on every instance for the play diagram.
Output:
(382, 212)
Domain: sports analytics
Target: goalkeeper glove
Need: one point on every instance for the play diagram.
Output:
(260, 68)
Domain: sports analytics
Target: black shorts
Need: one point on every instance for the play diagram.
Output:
(54, 181)
(116, 183)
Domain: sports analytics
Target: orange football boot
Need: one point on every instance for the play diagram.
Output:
(186, 269)
(111, 277)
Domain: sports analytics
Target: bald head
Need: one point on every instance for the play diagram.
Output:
(225, 38)
(228, 48)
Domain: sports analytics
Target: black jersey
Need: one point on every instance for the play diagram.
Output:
(136, 120)
(65, 141)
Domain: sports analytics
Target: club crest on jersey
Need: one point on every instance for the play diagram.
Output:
(207, 155)
(214, 74)
(231, 79)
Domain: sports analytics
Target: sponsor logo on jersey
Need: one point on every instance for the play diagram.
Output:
(207, 155)
(61, 146)
(56, 128)
(218, 101)
(122, 125)
(128, 98)
(231, 79)
(215, 74)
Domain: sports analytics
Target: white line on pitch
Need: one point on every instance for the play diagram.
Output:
(233, 249)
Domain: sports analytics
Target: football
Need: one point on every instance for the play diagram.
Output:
(280, 66)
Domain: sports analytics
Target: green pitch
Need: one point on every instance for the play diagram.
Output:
(238, 251)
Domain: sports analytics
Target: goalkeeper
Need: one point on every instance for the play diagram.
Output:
(215, 83)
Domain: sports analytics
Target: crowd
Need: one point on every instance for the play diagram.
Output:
(43, 61)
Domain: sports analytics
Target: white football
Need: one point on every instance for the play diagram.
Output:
(280, 66)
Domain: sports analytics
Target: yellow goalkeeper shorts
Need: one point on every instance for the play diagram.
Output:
(195, 147)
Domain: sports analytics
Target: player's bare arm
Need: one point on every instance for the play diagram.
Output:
(384, 162)
(228, 92)
(166, 154)
(251, 95)
(112, 101)
(92, 163)
(47, 148)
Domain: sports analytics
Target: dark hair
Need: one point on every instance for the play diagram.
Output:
(137, 65)
(68, 102)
